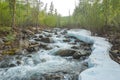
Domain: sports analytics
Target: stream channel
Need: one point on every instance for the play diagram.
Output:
(52, 55)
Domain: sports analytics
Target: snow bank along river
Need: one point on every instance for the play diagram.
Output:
(61, 54)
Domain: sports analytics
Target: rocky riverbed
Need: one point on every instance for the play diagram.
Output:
(51, 55)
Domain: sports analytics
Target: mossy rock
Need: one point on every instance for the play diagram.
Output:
(8, 43)
(11, 51)
(11, 37)
(5, 29)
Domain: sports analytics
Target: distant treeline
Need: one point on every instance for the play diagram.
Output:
(27, 13)
(97, 14)
(91, 14)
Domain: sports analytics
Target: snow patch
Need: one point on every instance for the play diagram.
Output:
(101, 66)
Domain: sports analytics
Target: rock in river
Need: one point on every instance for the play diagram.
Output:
(45, 46)
(79, 54)
(66, 52)
(46, 40)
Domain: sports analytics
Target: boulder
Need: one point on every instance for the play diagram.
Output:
(1, 41)
(37, 39)
(115, 51)
(40, 36)
(87, 48)
(27, 32)
(115, 55)
(24, 43)
(29, 56)
(4, 64)
(42, 45)
(12, 65)
(49, 35)
(64, 32)
(35, 36)
(75, 47)
(79, 54)
(49, 31)
(66, 52)
(55, 33)
(77, 40)
(66, 40)
(33, 43)
(72, 37)
(60, 76)
(46, 40)
(33, 48)
(53, 76)
(45, 46)
(18, 62)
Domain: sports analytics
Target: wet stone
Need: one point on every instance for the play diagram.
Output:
(35, 36)
(61, 76)
(29, 56)
(77, 40)
(45, 46)
(87, 48)
(53, 77)
(40, 36)
(18, 62)
(49, 35)
(66, 52)
(12, 65)
(77, 55)
(47, 59)
(1, 41)
(75, 47)
(32, 49)
(46, 40)
(37, 39)
(4, 65)
(18, 57)
(66, 40)
(56, 33)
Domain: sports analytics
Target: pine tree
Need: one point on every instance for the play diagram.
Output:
(51, 8)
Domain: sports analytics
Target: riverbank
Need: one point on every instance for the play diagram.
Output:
(114, 39)
(20, 40)
(57, 54)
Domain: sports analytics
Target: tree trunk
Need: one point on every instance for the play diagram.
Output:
(14, 14)
(37, 21)
(106, 12)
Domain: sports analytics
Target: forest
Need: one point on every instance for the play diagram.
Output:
(21, 21)
(91, 14)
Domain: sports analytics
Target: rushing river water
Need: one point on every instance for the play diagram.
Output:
(47, 61)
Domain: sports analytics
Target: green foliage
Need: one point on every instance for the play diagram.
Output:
(50, 20)
(4, 29)
(64, 21)
(10, 37)
(42, 17)
(97, 14)
(27, 14)
(92, 15)
(4, 14)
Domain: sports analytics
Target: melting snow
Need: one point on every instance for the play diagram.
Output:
(102, 67)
